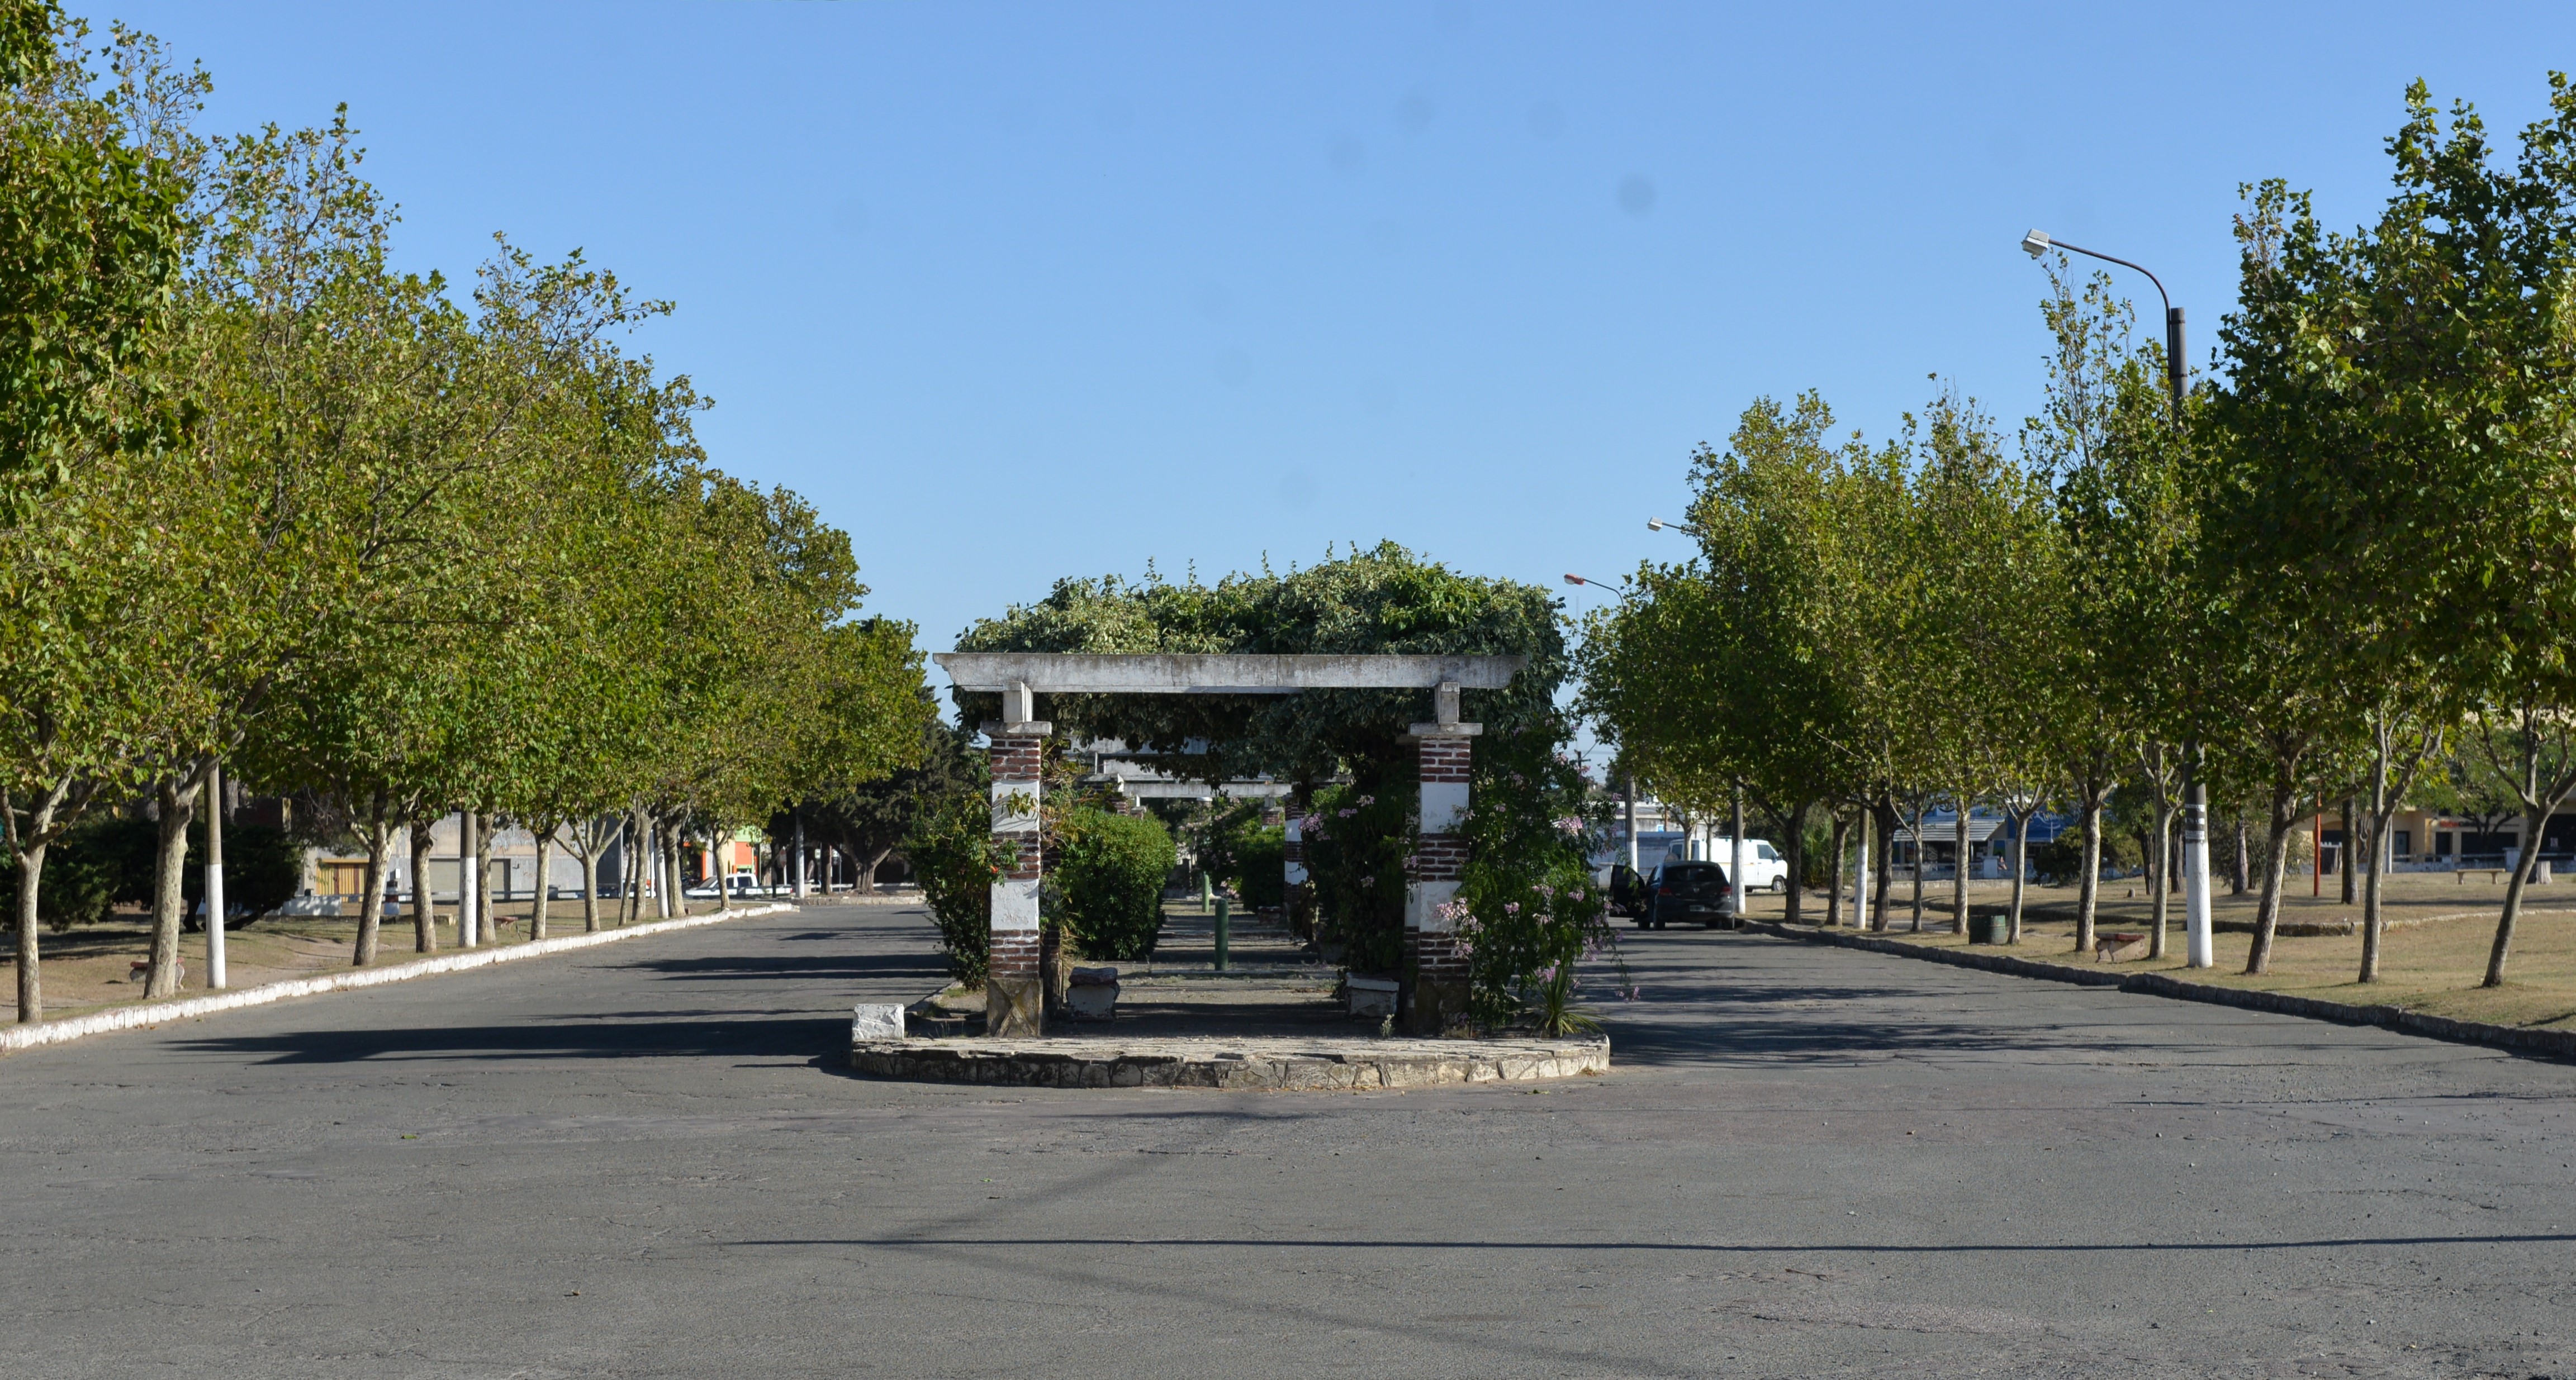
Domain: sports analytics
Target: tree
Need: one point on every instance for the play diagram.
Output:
(94, 173)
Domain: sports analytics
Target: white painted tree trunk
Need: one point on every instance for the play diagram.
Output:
(216, 978)
(468, 915)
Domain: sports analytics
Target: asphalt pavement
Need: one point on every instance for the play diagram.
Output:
(648, 1159)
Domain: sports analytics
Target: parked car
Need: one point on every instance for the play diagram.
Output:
(741, 884)
(1764, 868)
(1688, 891)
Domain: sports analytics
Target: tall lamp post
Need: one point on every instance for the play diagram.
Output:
(2200, 952)
(1627, 784)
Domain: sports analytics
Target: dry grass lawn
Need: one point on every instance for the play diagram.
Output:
(2433, 964)
(88, 968)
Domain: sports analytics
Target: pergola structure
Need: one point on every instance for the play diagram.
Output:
(1435, 976)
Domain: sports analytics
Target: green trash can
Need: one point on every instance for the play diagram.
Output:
(1989, 929)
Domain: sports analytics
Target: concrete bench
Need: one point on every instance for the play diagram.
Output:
(1092, 994)
(1370, 996)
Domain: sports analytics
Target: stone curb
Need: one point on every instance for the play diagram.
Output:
(18, 1037)
(2558, 1043)
(1242, 1066)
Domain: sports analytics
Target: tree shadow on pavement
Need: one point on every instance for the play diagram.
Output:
(662, 1035)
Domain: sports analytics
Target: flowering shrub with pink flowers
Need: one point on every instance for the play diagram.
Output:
(1527, 906)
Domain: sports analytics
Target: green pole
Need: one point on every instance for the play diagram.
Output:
(1224, 922)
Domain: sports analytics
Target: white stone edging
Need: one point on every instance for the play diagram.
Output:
(18, 1037)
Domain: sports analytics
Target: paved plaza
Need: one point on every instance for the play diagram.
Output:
(650, 1159)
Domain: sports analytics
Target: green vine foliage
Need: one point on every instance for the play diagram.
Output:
(1358, 838)
(1344, 748)
(1105, 874)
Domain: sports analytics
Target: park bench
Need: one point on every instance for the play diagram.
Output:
(2539, 874)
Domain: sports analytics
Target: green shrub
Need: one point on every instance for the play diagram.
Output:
(954, 858)
(1105, 881)
(80, 879)
(1261, 865)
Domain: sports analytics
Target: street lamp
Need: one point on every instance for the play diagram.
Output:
(2037, 244)
(1654, 524)
(2200, 952)
(1627, 784)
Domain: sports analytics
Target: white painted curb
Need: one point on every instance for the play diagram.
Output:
(18, 1037)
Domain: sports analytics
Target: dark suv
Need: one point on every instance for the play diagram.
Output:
(1690, 891)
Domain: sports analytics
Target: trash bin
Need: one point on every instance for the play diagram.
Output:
(1989, 929)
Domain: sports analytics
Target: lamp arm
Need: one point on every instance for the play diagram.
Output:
(2106, 258)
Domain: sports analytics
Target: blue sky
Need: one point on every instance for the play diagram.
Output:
(1017, 291)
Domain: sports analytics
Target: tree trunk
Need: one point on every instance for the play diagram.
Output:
(216, 975)
(537, 907)
(2020, 857)
(2276, 857)
(1834, 877)
(723, 871)
(469, 883)
(2163, 863)
(2088, 889)
(2533, 821)
(1959, 870)
(673, 892)
(1918, 868)
(2236, 881)
(31, 876)
(371, 906)
(1883, 819)
(424, 911)
(177, 798)
(2370, 927)
(630, 907)
(1797, 828)
(487, 907)
(2343, 863)
(590, 890)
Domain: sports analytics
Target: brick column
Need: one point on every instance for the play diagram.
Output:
(1014, 988)
(1435, 967)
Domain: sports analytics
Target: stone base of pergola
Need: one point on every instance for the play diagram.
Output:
(1253, 1065)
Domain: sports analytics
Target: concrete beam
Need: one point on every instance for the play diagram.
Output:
(1063, 673)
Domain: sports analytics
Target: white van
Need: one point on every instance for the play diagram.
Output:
(1764, 868)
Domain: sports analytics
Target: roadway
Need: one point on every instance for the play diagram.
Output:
(647, 1160)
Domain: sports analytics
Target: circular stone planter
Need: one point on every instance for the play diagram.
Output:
(1267, 1065)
